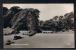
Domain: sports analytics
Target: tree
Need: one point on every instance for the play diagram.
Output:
(9, 15)
(29, 17)
(5, 9)
(15, 9)
(55, 18)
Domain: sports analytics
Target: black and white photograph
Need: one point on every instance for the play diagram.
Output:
(49, 25)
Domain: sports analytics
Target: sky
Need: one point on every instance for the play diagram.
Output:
(47, 11)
